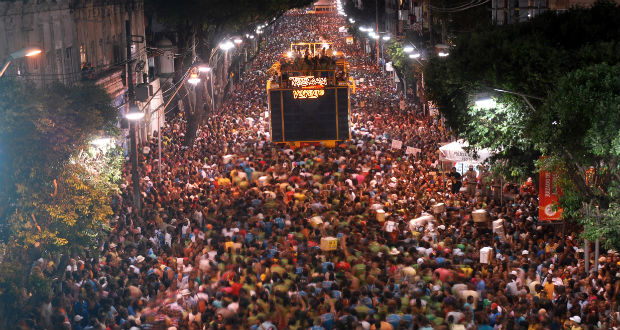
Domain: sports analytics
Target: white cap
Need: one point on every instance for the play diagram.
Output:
(575, 319)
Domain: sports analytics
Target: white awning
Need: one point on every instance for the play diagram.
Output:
(455, 152)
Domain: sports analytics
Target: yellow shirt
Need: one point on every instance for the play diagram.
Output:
(549, 288)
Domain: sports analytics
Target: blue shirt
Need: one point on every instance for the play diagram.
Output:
(327, 321)
(481, 285)
(393, 319)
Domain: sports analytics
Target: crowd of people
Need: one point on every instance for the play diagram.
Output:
(230, 233)
(306, 63)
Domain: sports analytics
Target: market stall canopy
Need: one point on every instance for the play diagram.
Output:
(455, 152)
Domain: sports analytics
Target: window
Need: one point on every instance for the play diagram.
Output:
(102, 52)
(50, 66)
(34, 62)
(59, 68)
(83, 56)
(117, 54)
(69, 61)
(93, 55)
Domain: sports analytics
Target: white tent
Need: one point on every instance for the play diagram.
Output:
(455, 152)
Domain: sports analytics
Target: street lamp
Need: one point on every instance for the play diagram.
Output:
(227, 45)
(407, 49)
(416, 55)
(485, 102)
(134, 113)
(237, 41)
(386, 38)
(26, 52)
(443, 54)
(193, 78)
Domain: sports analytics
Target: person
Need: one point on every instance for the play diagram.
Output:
(496, 187)
(253, 259)
(485, 182)
(471, 180)
(455, 178)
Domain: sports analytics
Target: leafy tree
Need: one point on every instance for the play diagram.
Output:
(579, 128)
(570, 62)
(49, 205)
(400, 60)
(529, 58)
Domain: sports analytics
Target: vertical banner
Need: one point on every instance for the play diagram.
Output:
(548, 196)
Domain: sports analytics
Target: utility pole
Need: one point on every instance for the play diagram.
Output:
(135, 178)
(586, 243)
(377, 20)
(597, 242)
(430, 24)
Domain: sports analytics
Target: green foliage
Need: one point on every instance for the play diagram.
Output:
(401, 61)
(570, 61)
(578, 141)
(40, 129)
(604, 226)
(530, 58)
(49, 204)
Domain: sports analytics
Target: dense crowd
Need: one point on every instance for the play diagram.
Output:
(229, 235)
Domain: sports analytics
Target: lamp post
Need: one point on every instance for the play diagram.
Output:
(26, 52)
(226, 46)
(133, 115)
(193, 79)
(208, 70)
(377, 26)
(238, 42)
(486, 102)
(384, 39)
(381, 38)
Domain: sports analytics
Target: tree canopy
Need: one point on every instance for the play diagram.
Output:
(51, 203)
(567, 64)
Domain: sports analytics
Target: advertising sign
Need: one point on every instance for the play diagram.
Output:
(548, 194)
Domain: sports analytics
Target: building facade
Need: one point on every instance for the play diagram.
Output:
(46, 24)
(102, 43)
(81, 41)
(515, 11)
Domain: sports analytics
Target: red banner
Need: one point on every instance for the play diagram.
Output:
(548, 196)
